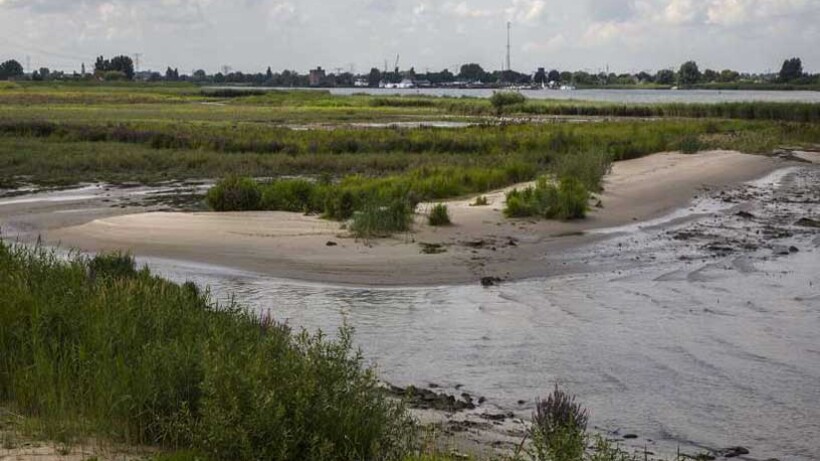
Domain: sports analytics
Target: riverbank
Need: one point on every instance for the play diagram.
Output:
(481, 243)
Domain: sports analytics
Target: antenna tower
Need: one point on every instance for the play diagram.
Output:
(137, 57)
(509, 27)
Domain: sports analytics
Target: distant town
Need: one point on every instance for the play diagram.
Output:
(471, 75)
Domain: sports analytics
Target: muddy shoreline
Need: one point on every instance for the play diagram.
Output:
(481, 246)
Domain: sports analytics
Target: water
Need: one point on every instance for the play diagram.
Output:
(674, 344)
(616, 96)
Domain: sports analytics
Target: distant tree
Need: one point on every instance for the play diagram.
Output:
(45, 73)
(122, 64)
(710, 76)
(540, 77)
(10, 69)
(792, 70)
(583, 78)
(200, 75)
(374, 78)
(169, 75)
(665, 77)
(554, 76)
(472, 72)
(565, 77)
(727, 76)
(644, 77)
(269, 74)
(219, 77)
(689, 74)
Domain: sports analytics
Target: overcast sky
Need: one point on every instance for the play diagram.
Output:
(249, 35)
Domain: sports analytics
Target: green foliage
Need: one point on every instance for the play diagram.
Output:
(234, 193)
(569, 200)
(558, 431)
(503, 99)
(296, 195)
(439, 215)
(792, 70)
(112, 266)
(481, 200)
(689, 74)
(690, 144)
(379, 218)
(10, 69)
(588, 166)
(141, 360)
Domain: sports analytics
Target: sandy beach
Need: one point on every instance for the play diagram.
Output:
(481, 243)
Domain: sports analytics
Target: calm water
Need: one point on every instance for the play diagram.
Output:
(621, 96)
(664, 341)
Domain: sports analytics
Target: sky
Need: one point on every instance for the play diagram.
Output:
(249, 35)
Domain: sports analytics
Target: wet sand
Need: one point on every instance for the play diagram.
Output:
(481, 243)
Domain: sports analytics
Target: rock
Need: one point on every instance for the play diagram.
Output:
(491, 417)
(794, 249)
(522, 402)
(808, 222)
(734, 452)
(631, 436)
(490, 281)
(331, 244)
(781, 250)
(744, 215)
(426, 399)
(481, 400)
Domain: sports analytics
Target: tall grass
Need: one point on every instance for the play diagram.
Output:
(567, 200)
(100, 348)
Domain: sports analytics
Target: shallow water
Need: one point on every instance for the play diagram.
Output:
(617, 96)
(658, 338)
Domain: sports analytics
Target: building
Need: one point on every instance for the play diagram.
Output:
(317, 76)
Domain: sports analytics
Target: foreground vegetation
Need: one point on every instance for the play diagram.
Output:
(95, 346)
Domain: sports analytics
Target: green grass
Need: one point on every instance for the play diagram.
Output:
(99, 348)
(439, 215)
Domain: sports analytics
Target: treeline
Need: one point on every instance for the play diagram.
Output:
(689, 75)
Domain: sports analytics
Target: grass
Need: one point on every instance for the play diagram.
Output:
(569, 199)
(99, 347)
(439, 216)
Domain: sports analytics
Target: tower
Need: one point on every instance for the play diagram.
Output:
(509, 27)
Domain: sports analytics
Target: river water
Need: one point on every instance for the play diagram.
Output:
(614, 96)
(668, 336)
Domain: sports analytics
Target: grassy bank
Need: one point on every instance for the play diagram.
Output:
(97, 347)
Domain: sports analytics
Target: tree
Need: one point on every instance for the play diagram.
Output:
(727, 76)
(10, 69)
(665, 77)
(472, 72)
(122, 64)
(554, 76)
(792, 70)
(374, 78)
(200, 75)
(689, 73)
(710, 76)
(269, 74)
(644, 77)
(540, 77)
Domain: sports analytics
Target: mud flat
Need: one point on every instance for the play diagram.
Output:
(481, 244)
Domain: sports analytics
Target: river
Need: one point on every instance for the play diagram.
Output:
(697, 331)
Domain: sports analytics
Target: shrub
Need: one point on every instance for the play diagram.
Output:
(690, 144)
(481, 201)
(147, 361)
(502, 99)
(295, 195)
(439, 215)
(569, 200)
(380, 219)
(234, 193)
(112, 266)
(558, 430)
(588, 166)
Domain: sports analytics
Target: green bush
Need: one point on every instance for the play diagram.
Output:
(503, 99)
(439, 215)
(588, 166)
(234, 193)
(112, 265)
(690, 144)
(568, 200)
(295, 195)
(140, 360)
(481, 201)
